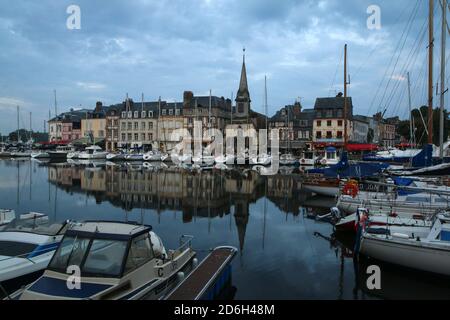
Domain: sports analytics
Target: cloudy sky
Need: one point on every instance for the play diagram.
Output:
(163, 47)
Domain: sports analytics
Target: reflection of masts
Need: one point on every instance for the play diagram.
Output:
(265, 213)
(18, 184)
(31, 180)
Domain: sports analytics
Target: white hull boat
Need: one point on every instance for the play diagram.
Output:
(429, 252)
(92, 153)
(27, 246)
(40, 155)
(121, 261)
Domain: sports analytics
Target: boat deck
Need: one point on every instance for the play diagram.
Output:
(204, 276)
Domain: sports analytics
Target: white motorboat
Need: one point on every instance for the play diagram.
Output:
(287, 159)
(40, 155)
(425, 251)
(27, 245)
(92, 152)
(116, 261)
(116, 156)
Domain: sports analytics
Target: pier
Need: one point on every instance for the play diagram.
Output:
(208, 279)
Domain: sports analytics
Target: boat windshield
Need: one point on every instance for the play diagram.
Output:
(94, 257)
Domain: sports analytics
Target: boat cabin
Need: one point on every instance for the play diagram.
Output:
(107, 250)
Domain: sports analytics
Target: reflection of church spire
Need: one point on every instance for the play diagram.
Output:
(241, 219)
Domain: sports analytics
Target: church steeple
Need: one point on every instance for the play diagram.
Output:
(243, 94)
(243, 86)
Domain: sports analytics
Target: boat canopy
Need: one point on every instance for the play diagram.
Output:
(107, 230)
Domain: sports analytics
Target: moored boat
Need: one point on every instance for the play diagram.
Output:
(27, 245)
(116, 261)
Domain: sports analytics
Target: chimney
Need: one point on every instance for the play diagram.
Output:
(188, 96)
(340, 95)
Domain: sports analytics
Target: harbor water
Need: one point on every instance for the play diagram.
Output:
(284, 252)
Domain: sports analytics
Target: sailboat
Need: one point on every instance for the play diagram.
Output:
(344, 168)
(265, 159)
(20, 152)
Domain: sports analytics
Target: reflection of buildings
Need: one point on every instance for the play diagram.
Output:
(204, 195)
(284, 191)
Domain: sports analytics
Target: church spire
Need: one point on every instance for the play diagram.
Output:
(243, 86)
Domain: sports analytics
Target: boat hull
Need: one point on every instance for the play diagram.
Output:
(407, 253)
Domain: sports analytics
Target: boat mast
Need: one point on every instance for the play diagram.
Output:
(209, 110)
(411, 130)
(430, 71)
(18, 139)
(31, 134)
(345, 99)
(442, 100)
(265, 101)
(56, 105)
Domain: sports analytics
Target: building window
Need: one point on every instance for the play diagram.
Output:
(130, 125)
(142, 136)
(339, 135)
(340, 123)
(177, 112)
(136, 114)
(329, 123)
(163, 112)
(124, 114)
(150, 114)
(329, 135)
(150, 125)
(143, 125)
(330, 113)
(319, 134)
(129, 137)
(130, 114)
(136, 125)
(136, 137)
(319, 123)
(170, 112)
(143, 114)
(339, 113)
(150, 136)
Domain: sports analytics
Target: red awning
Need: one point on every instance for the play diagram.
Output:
(362, 147)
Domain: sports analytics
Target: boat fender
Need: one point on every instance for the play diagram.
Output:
(194, 262)
(400, 235)
(158, 247)
(180, 276)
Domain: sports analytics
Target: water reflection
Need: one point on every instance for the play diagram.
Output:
(284, 252)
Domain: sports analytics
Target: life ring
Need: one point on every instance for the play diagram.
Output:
(351, 189)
